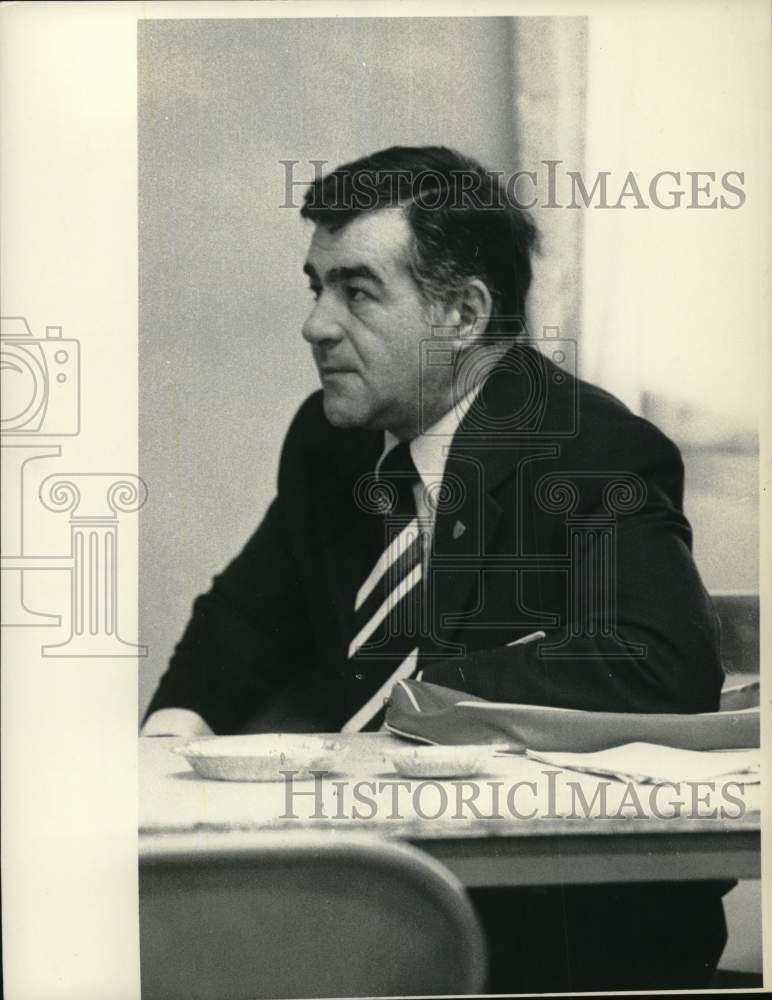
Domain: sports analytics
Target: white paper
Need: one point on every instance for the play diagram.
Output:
(650, 763)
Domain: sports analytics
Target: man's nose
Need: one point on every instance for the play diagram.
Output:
(323, 322)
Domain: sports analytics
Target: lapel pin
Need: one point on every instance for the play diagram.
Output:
(458, 530)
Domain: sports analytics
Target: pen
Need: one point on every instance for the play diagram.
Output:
(533, 637)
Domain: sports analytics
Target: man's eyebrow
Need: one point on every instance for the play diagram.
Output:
(336, 275)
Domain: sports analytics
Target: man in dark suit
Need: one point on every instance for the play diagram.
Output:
(515, 499)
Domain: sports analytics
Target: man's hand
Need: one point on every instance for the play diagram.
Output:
(175, 722)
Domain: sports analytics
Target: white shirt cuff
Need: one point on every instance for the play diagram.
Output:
(175, 722)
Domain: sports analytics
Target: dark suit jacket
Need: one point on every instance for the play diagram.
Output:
(532, 469)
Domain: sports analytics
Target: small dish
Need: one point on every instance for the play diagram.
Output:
(441, 761)
(262, 757)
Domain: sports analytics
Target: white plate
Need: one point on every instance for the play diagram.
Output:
(442, 761)
(262, 757)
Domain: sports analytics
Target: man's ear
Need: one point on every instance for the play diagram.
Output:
(473, 307)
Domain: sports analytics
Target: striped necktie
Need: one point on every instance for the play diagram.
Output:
(387, 607)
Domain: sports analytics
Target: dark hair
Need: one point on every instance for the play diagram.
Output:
(463, 225)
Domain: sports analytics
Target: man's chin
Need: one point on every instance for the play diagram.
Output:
(341, 415)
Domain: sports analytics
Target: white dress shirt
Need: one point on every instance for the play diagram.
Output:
(429, 452)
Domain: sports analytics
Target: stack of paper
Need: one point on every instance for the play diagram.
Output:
(651, 763)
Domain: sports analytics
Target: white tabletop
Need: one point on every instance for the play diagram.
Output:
(448, 820)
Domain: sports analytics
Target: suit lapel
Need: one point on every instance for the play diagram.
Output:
(501, 427)
(462, 535)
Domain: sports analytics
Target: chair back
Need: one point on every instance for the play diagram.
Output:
(242, 917)
(739, 615)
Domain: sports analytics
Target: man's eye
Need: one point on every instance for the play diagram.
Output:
(357, 294)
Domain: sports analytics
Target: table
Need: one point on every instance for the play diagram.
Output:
(563, 827)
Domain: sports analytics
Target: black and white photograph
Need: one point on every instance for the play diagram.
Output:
(385, 446)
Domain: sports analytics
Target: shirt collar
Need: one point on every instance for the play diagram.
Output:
(429, 450)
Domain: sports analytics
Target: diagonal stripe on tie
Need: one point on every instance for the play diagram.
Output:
(397, 548)
(384, 648)
(393, 614)
(394, 583)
